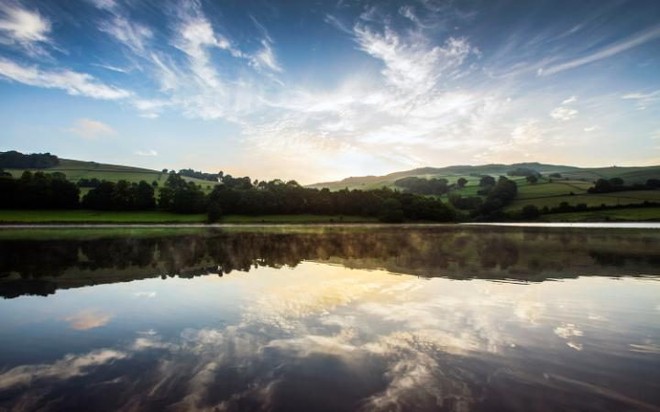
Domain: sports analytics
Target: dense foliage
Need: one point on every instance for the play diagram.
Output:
(180, 196)
(240, 196)
(616, 184)
(523, 171)
(38, 191)
(17, 160)
(212, 177)
(120, 196)
(424, 186)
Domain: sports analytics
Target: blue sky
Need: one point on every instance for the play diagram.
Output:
(323, 90)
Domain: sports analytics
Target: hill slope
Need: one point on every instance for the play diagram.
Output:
(472, 173)
(78, 169)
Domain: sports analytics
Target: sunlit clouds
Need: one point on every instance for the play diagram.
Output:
(343, 89)
(399, 340)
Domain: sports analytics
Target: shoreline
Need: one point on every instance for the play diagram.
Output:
(577, 225)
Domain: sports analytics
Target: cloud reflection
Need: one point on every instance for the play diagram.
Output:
(88, 319)
(373, 340)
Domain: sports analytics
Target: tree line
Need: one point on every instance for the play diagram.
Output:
(616, 184)
(231, 196)
(17, 160)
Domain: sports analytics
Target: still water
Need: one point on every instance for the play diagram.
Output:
(330, 319)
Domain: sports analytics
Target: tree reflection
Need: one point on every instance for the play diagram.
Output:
(42, 266)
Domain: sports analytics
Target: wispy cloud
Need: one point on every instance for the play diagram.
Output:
(266, 58)
(25, 28)
(195, 37)
(643, 100)
(412, 63)
(609, 51)
(132, 34)
(146, 153)
(563, 113)
(74, 83)
(123, 29)
(91, 129)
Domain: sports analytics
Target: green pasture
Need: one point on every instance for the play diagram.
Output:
(624, 214)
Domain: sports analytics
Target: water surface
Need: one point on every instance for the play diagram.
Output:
(353, 318)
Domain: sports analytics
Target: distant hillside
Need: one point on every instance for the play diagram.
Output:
(79, 169)
(472, 173)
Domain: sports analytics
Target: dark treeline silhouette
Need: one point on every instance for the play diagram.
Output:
(17, 160)
(180, 196)
(421, 186)
(523, 171)
(493, 196)
(200, 175)
(120, 196)
(42, 266)
(93, 182)
(616, 184)
(240, 195)
(38, 191)
(230, 196)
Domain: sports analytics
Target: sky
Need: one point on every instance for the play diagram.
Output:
(318, 91)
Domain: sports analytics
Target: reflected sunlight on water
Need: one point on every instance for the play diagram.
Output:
(316, 324)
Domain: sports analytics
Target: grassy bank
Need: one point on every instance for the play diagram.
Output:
(95, 216)
(619, 215)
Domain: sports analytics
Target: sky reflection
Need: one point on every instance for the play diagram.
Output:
(330, 338)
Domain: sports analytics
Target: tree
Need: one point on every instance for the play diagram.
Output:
(616, 182)
(461, 182)
(180, 196)
(487, 181)
(601, 186)
(530, 212)
(532, 179)
(653, 183)
(391, 211)
(214, 212)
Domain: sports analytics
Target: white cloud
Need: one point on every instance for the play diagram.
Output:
(133, 35)
(643, 100)
(570, 100)
(266, 57)
(25, 28)
(74, 83)
(563, 113)
(412, 63)
(195, 37)
(130, 33)
(91, 129)
(609, 51)
(590, 129)
(527, 133)
(146, 153)
(67, 367)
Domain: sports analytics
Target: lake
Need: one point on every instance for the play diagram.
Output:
(449, 318)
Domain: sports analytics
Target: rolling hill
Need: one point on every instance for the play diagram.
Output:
(632, 174)
(78, 169)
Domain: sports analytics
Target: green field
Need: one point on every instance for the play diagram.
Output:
(624, 214)
(576, 175)
(76, 170)
(95, 216)
(591, 200)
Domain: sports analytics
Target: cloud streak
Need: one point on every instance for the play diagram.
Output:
(25, 28)
(609, 51)
(74, 83)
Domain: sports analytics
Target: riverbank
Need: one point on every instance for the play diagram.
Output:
(22, 217)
